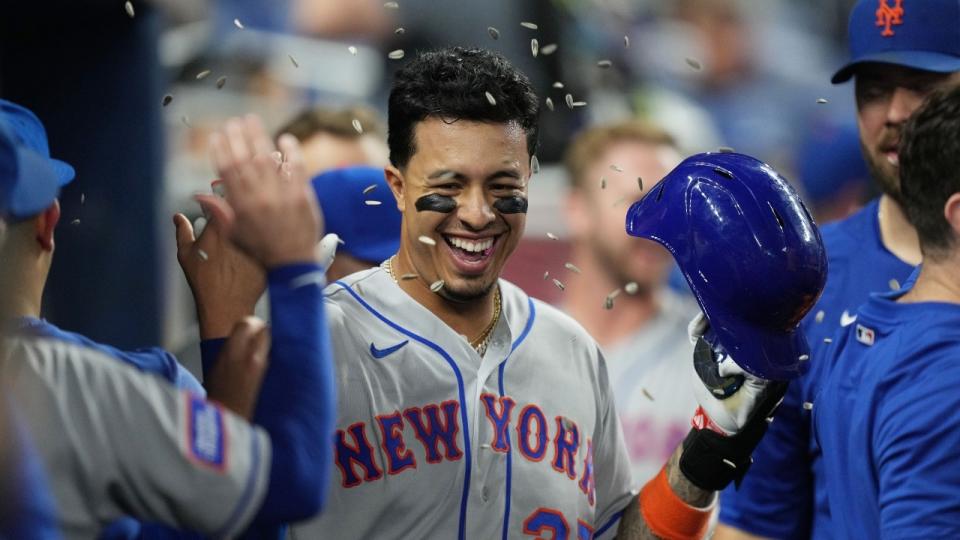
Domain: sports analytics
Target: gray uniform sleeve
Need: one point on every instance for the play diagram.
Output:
(611, 462)
(115, 442)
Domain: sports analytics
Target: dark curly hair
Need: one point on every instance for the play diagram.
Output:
(451, 84)
(930, 169)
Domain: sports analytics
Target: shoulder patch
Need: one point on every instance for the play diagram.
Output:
(206, 433)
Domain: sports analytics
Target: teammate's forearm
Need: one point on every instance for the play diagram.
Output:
(296, 403)
(632, 523)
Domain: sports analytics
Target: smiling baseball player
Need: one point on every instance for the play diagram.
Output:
(468, 409)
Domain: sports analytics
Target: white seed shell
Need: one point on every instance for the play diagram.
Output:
(396, 54)
(436, 285)
(427, 240)
(357, 126)
(490, 99)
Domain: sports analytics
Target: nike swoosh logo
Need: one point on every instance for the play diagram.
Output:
(847, 319)
(380, 353)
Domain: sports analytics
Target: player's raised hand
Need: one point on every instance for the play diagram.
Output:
(235, 381)
(225, 282)
(270, 211)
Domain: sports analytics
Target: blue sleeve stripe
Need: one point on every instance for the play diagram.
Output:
(508, 487)
(461, 533)
(613, 519)
(247, 496)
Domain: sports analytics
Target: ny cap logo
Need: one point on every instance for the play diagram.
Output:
(888, 16)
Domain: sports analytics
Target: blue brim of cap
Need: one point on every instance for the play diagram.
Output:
(924, 60)
(766, 353)
(64, 171)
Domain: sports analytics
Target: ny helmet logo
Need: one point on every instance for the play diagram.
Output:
(888, 16)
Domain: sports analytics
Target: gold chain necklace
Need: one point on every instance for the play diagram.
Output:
(480, 343)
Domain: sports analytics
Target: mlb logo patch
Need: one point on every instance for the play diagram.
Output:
(205, 433)
(865, 335)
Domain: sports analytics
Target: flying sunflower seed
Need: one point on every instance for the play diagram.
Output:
(647, 394)
(447, 175)
(529, 25)
(626, 42)
(725, 150)
(803, 357)
(631, 288)
(391, 5)
(534, 47)
(221, 81)
(552, 236)
(490, 99)
(400, 31)
(293, 61)
(769, 419)
(436, 285)
(546, 275)
(640, 183)
(534, 165)
(75, 222)
(604, 64)
(395, 55)
(616, 168)
(819, 316)
(186, 120)
(83, 197)
(808, 405)
(238, 24)
(558, 284)
(550, 104)
(603, 182)
(203, 254)
(558, 84)
(619, 201)
(827, 340)
(614, 293)
(718, 391)
(356, 125)
(166, 100)
(569, 99)
(203, 74)
(608, 303)
(408, 277)
(369, 188)
(129, 7)
(494, 33)
(579, 104)
(352, 49)
(694, 63)
(427, 240)
(372, 203)
(571, 267)
(548, 49)
(894, 285)
(729, 463)
(822, 101)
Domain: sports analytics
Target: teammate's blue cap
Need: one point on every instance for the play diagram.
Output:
(31, 190)
(749, 250)
(919, 34)
(370, 232)
(28, 182)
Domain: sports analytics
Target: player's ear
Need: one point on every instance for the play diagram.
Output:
(951, 211)
(396, 181)
(44, 224)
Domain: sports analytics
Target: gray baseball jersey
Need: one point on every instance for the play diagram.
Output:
(433, 441)
(116, 442)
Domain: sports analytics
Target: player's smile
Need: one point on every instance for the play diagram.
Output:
(470, 254)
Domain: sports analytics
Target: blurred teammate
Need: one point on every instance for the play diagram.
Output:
(28, 254)
(330, 138)
(358, 207)
(890, 461)
(468, 408)
(900, 52)
(643, 333)
(116, 441)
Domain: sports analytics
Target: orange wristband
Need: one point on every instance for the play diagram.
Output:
(667, 515)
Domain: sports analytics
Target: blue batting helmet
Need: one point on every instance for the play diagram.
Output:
(748, 248)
